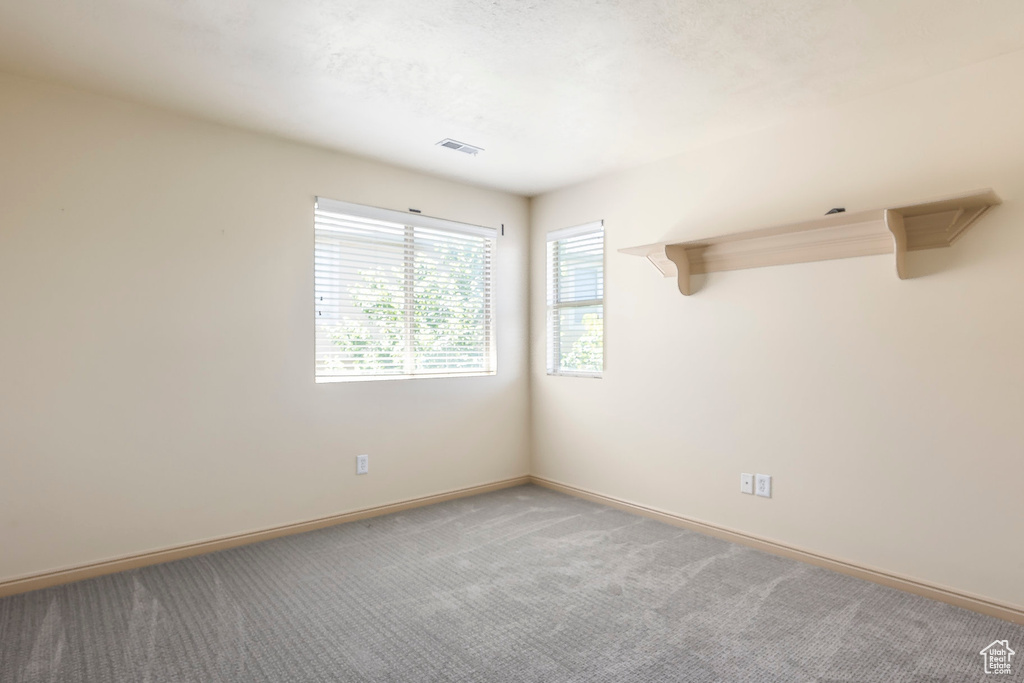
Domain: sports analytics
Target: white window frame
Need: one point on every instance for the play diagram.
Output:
(554, 306)
(411, 221)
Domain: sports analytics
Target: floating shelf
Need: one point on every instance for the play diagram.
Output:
(928, 225)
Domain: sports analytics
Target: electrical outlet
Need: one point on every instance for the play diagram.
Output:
(362, 464)
(764, 485)
(746, 483)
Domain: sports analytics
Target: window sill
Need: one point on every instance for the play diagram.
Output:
(379, 378)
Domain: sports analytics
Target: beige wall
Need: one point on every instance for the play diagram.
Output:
(156, 342)
(156, 337)
(890, 413)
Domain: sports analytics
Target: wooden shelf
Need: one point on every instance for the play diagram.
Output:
(896, 230)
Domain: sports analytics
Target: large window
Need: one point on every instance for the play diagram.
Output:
(576, 301)
(399, 295)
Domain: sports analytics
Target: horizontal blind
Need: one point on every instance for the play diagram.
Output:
(397, 299)
(575, 298)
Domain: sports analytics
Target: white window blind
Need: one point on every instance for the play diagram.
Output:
(399, 295)
(576, 300)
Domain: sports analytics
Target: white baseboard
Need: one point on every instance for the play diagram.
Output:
(119, 564)
(974, 603)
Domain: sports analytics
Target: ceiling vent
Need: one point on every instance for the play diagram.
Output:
(460, 146)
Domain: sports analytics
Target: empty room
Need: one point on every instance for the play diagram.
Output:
(452, 340)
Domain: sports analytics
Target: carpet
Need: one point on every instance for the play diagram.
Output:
(523, 584)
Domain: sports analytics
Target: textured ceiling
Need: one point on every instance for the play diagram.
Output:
(556, 91)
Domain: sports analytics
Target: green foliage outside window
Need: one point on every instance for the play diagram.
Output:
(445, 327)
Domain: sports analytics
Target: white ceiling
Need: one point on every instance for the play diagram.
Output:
(556, 91)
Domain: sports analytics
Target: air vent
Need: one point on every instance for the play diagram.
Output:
(460, 146)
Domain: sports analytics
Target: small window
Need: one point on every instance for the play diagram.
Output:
(400, 296)
(576, 301)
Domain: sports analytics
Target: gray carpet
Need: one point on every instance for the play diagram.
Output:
(519, 585)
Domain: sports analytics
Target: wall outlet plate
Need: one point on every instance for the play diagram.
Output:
(764, 485)
(362, 464)
(746, 483)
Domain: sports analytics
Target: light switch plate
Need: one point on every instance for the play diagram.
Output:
(764, 485)
(362, 464)
(746, 483)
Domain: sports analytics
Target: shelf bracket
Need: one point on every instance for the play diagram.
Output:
(895, 225)
(676, 253)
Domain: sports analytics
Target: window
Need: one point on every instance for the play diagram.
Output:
(576, 301)
(399, 295)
